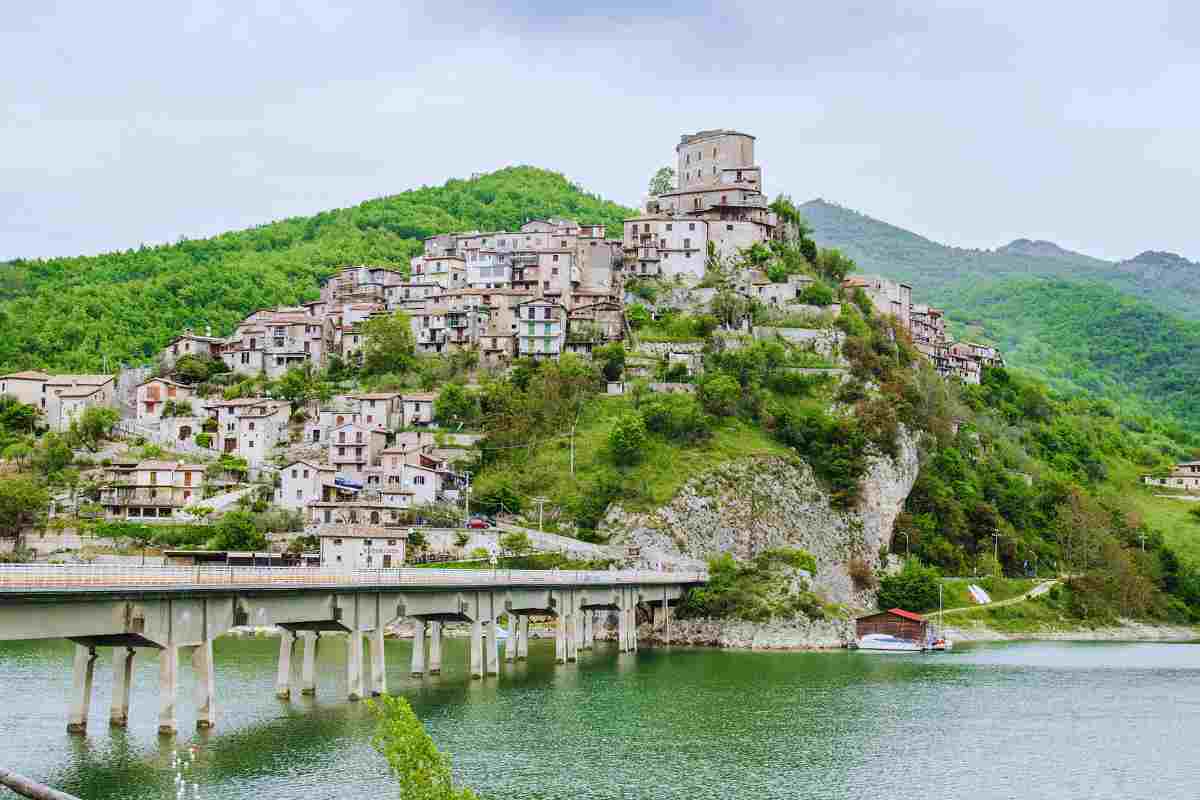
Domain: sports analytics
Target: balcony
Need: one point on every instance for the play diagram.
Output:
(520, 259)
(143, 497)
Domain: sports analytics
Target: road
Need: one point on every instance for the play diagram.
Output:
(1036, 591)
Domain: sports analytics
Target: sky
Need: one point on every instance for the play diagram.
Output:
(972, 123)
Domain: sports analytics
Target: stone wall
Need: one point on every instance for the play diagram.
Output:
(824, 341)
(752, 504)
(800, 633)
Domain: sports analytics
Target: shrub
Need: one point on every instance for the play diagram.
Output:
(915, 588)
(677, 417)
(816, 294)
(719, 394)
(861, 574)
(627, 439)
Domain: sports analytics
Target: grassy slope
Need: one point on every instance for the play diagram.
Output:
(69, 313)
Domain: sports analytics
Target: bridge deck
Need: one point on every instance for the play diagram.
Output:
(25, 579)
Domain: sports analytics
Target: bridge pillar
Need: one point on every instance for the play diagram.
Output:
(354, 671)
(522, 637)
(418, 647)
(206, 690)
(510, 644)
(633, 642)
(435, 648)
(572, 640)
(168, 678)
(493, 647)
(378, 662)
(122, 680)
(477, 648)
(580, 624)
(283, 673)
(308, 668)
(81, 688)
(560, 640)
(622, 630)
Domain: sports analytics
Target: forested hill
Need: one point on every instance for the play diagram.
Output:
(71, 313)
(1073, 320)
(1168, 281)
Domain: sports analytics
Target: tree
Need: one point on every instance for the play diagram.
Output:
(637, 315)
(23, 504)
(719, 394)
(53, 455)
(455, 404)
(627, 439)
(417, 540)
(834, 265)
(914, 588)
(611, 358)
(422, 772)
(663, 181)
(388, 344)
(517, 543)
(298, 385)
(730, 308)
(95, 424)
(19, 453)
(199, 513)
(237, 531)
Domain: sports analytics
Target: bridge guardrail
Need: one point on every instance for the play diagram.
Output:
(18, 577)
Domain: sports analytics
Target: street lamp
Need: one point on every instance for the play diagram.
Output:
(907, 547)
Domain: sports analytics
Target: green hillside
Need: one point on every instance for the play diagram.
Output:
(1166, 280)
(74, 313)
(1078, 322)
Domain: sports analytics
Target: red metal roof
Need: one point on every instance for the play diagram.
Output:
(900, 612)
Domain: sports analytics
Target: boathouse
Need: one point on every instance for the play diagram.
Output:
(896, 622)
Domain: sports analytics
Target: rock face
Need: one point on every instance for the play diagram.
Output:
(784, 634)
(749, 505)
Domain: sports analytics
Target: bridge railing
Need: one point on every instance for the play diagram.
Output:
(35, 577)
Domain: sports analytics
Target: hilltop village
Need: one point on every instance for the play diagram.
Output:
(354, 461)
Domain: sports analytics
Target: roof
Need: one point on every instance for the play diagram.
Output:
(31, 375)
(167, 381)
(169, 465)
(899, 612)
(82, 392)
(309, 464)
(420, 397)
(76, 380)
(375, 396)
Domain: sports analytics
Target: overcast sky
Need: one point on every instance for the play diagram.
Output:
(972, 123)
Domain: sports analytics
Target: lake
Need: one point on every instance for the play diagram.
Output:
(1012, 720)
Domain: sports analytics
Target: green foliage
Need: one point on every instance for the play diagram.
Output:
(677, 417)
(23, 503)
(388, 344)
(517, 542)
(417, 541)
(816, 294)
(627, 439)
(675, 327)
(611, 358)
(204, 439)
(197, 369)
(663, 181)
(719, 393)
(645, 289)
(455, 405)
(421, 771)
(914, 588)
(757, 590)
(637, 314)
(237, 531)
(71, 313)
(94, 425)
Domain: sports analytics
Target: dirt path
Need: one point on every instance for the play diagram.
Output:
(1036, 591)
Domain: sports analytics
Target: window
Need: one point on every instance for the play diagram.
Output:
(687, 244)
(668, 226)
(728, 227)
(419, 480)
(341, 451)
(555, 259)
(251, 426)
(691, 226)
(392, 542)
(294, 474)
(554, 271)
(299, 494)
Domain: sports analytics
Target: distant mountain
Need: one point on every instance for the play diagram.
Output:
(1038, 248)
(1127, 331)
(879, 247)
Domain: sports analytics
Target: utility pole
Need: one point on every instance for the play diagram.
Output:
(573, 425)
(1142, 536)
(541, 503)
(996, 538)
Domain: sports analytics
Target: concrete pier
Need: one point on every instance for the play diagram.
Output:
(84, 670)
(510, 644)
(622, 631)
(168, 679)
(308, 668)
(560, 640)
(523, 637)
(477, 648)
(493, 647)
(283, 673)
(354, 670)
(572, 636)
(122, 681)
(418, 647)
(206, 690)
(378, 663)
(632, 628)
(435, 648)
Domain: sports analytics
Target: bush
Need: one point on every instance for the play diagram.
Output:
(816, 294)
(719, 394)
(627, 439)
(861, 574)
(915, 588)
(611, 358)
(677, 417)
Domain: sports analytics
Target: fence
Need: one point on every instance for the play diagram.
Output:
(56, 577)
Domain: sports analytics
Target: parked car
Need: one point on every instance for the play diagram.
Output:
(478, 523)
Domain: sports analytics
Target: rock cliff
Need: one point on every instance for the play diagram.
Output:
(749, 505)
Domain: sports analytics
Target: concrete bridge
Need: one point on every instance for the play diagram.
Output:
(169, 609)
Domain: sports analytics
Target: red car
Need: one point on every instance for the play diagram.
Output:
(478, 523)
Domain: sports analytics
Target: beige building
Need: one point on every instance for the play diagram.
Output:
(1185, 475)
(150, 490)
(352, 547)
(68, 396)
(541, 328)
(152, 397)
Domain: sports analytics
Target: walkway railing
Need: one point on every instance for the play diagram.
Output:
(57, 577)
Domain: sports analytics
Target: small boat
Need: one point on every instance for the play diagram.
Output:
(939, 645)
(886, 643)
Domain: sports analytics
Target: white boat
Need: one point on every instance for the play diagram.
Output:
(886, 643)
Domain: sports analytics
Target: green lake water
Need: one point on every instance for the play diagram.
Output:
(1014, 720)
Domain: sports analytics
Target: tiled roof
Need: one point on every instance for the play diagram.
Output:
(31, 375)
